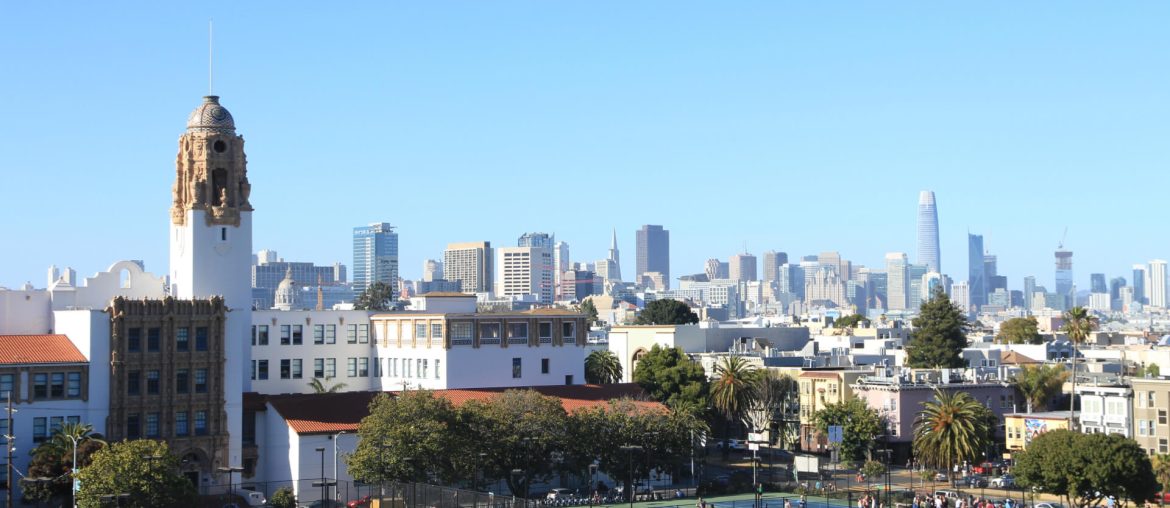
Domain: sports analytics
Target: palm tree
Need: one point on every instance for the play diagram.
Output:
(319, 387)
(1038, 383)
(1078, 324)
(602, 367)
(1161, 463)
(951, 428)
(734, 390)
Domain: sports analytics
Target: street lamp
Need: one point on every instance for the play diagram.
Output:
(630, 450)
(335, 438)
(517, 474)
(73, 473)
(321, 450)
(230, 471)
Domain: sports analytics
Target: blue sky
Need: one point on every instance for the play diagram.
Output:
(795, 126)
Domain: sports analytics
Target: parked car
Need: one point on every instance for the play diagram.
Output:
(1048, 505)
(555, 494)
(940, 477)
(949, 494)
(732, 444)
(1006, 481)
(361, 502)
(251, 497)
(975, 481)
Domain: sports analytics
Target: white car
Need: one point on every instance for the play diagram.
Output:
(252, 497)
(732, 444)
(555, 494)
(1004, 482)
(1049, 505)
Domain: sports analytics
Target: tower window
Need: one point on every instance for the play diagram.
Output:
(223, 234)
(219, 146)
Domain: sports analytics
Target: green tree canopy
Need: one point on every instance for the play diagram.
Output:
(143, 468)
(409, 437)
(377, 296)
(320, 386)
(53, 458)
(520, 429)
(1021, 330)
(1161, 466)
(939, 334)
(590, 310)
(602, 367)
(777, 402)
(952, 428)
(283, 498)
(1085, 468)
(872, 470)
(860, 426)
(850, 321)
(670, 377)
(666, 312)
(1039, 383)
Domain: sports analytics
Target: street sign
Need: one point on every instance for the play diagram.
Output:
(756, 437)
(836, 434)
(754, 446)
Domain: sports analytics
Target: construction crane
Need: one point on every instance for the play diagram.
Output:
(1060, 244)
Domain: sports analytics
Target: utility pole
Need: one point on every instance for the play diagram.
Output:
(9, 440)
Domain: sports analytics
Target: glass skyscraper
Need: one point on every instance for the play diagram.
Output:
(375, 256)
(928, 251)
(976, 277)
(653, 253)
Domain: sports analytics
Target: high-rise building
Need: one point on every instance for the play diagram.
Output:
(742, 267)
(375, 256)
(826, 286)
(1029, 290)
(915, 276)
(270, 270)
(1156, 285)
(1064, 276)
(897, 281)
(1115, 285)
(561, 264)
(928, 251)
(1097, 283)
(772, 262)
(1139, 284)
(961, 295)
(471, 264)
(653, 252)
(525, 271)
(536, 240)
(976, 278)
(614, 267)
(716, 269)
(432, 270)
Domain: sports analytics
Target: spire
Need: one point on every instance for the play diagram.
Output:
(613, 243)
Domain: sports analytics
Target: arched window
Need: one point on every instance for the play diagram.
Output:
(219, 179)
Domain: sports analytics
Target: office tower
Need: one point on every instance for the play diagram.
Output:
(897, 283)
(1017, 298)
(930, 282)
(1064, 276)
(270, 270)
(561, 264)
(961, 295)
(576, 284)
(1156, 285)
(742, 267)
(928, 251)
(525, 271)
(772, 262)
(1127, 301)
(543, 240)
(375, 256)
(990, 267)
(715, 269)
(1029, 290)
(826, 286)
(878, 288)
(914, 290)
(1097, 283)
(432, 270)
(1139, 283)
(976, 279)
(653, 253)
(614, 267)
(1115, 285)
(470, 263)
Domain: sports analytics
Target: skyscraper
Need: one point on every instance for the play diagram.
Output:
(535, 240)
(653, 252)
(1064, 277)
(976, 278)
(897, 281)
(561, 264)
(1156, 286)
(1139, 283)
(1029, 291)
(772, 262)
(742, 267)
(928, 251)
(525, 271)
(471, 264)
(614, 269)
(432, 270)
(375, 256)
(1097, 283)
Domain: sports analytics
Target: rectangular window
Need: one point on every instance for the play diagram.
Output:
(182, 340)
(7, 385)
(544, 365)
(201, 338)
(422, 373)
(152, 425)
(318, 334)
(201, 377)
(133, 380)
(1163, 446)
(181, 424)
(183, 381)
(318, 368)
(285, 369)
(1151, 400)
(351, 367)
(515, 368)
(569, 331)
(544, 332)
(393, 367)
(1161, 417)
(153, 338)
(57, 385)
(133, 429)
(40, 386)
(262, 369)
(253, 370)
(351, 334)
(152, 382)
(201, 423)
(489, 333)
(517, 333)
(297, 335)
(262, 335)
(420, 330)
(437, 332)
(40, 429)
(436, 369)
(285, 335)
(363, 334)
(331, 334)
(134, 340)
(253, 335)
(330, 367)
(363, 368)
(1141, 425)
(406, 367)
(296, 368)
(461, 334)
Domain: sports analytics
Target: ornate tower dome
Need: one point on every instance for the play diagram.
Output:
(288, 293)
(211, 116)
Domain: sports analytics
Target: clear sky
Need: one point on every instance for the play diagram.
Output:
(795, 126)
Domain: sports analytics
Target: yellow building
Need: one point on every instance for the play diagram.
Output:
(1022, 428)
(819, 388)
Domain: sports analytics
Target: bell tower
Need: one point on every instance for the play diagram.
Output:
(211, 241)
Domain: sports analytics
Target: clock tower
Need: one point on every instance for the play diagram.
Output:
(211, 241)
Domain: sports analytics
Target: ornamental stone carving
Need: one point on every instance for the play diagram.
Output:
(211, 171)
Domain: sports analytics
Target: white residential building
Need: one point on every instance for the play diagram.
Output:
(525, 271)
(291, 348)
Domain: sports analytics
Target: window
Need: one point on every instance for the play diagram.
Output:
(393, 367)
(40, 429)
(351, 334)
(437, 332)
(330, 367)
(57, 385)
(515, 368)
(461, 334)
(201, 377)
(569, 331)
(253, 335)
(1151, 400)
(262, 369)
(318, 334)
(364, 334)
(183, 381)
(181, 424)
(406, 367)
(297, 335)
(418, 367)
(422, 373)
(1161, 417)
(1141, 426)
(40, 386)
(262, 335)
(318, 368)
(420, 330)
(7, 385)
(152, 425)
(351, 367)
(253, 370)
(285, 369)
(363, 367)
(133, 430)
(296, 368)
(201, 338)
(544, 365)
(201, 423)
(285, 335)
(517, 333)
(331, 334)
(544, 332)
(133, 380)
(1162, 446)
(1114, 406)
(153, 336)
(489, 333)
(182, 340)
(134, 340)
(152, 382)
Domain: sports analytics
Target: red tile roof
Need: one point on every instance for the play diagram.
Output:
(28, 349)
(326, 413)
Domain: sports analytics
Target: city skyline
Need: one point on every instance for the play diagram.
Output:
(624, 111)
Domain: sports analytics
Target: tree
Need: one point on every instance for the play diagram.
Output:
(666, 312)
(53, 458)
(734, 391)
(850, 321)
(1086, 468)
(519, 430)
(590, 310)
(952, 428)
(602, 367)
(283, 498)
(319, 386)
(377, 296)
(1021, 330)
(410, 437)
(860, 425)
(1039, 383)
(670, 377)
(1149, 371)
(1078, 324)
(939, 334)
(872, 469)
(1161, 467)
(776, 400)
(143, 468)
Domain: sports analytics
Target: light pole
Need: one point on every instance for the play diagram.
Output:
(336, 487)
(73, 480)
(230, 471)
(321, 450)
(630, 450)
